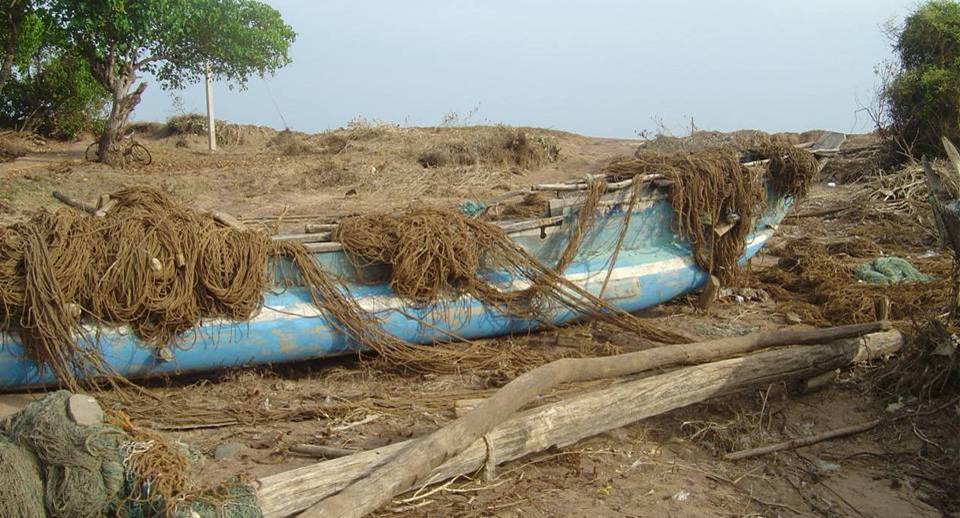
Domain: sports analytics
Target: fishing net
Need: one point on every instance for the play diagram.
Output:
(822, 289)
(790, 169)
(434, 255)
(53, 466)
(21, 489)
(160, 268)
(715, 198)
(889, 270)
(81, 466)
(150, 264)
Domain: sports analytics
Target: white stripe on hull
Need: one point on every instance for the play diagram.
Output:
(389, 302)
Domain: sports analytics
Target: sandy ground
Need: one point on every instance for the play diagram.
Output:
(666, 466)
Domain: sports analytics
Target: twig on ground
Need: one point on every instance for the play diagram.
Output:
(803, 441)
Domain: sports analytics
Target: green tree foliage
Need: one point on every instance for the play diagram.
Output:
(922, 100)
(55, 96)
(172, 39)
(45, 89)
(21, 30)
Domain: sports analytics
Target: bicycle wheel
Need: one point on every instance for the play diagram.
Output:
(140, 154)
(91, 154)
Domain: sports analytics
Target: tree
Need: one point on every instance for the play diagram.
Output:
(921, 102)
(172, 39)
(54, 95)
(20, 29)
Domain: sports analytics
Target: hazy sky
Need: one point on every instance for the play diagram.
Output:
(602, 67)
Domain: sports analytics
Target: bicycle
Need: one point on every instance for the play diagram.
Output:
(127, 146)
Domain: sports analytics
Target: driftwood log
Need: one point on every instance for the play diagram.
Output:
(72, 202)
(566, 422)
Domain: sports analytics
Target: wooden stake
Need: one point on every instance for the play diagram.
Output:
(107, 205)
(412, 465)
(881, 308)
(709, 294)
(228, 220)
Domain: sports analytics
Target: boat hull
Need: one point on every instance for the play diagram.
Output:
(652, 267)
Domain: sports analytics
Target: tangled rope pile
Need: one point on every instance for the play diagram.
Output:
(435, 255)
(53, 464)
(151, 264)
(715, 198)
(159, 268)
(812, 282)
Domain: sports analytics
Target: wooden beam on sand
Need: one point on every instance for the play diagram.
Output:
(72, 202)
(508, 228)
(559, 424)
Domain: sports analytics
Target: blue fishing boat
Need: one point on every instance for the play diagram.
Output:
(652, 266)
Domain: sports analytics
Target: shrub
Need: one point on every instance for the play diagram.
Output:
(446, 154)
(920, 103)
(56, 97)
(498, 146)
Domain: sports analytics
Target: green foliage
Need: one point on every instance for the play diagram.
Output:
(32, 35)
(175, 39)
(922, 99)
(56, 97)
(931, 36)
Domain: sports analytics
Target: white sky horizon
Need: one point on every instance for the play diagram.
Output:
(607, 68)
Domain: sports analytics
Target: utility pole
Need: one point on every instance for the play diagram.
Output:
(211, 122)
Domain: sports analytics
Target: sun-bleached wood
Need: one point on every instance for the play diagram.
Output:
(566, 422)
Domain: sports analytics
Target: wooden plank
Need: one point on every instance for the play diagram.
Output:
(558, 205)
(314, 237)
(947, 221)
(521, 226)
(953, 155)
(321, 242)
(828, 143)
(227, 220)
(316, 228)
(566, 422)
(710, 292)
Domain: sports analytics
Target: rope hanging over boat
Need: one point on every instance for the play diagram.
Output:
(159, 268)
(715, 198)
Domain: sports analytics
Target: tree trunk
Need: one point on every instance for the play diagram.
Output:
(123, 105)
(15, 15)
(6, 68)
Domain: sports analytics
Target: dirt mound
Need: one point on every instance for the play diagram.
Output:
(195, 124)
(741, 140)
(501, 145)
(15, 144)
